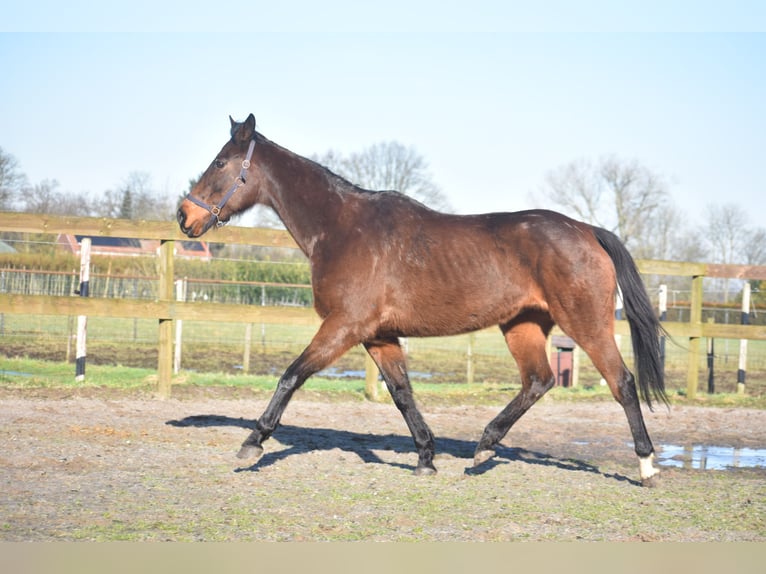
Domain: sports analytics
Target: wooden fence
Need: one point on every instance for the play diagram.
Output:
(165, 309)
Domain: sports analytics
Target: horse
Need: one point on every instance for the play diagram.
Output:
(384, 266)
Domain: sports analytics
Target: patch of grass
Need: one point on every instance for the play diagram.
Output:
(30, 373)
(24, 373)
(701, 506)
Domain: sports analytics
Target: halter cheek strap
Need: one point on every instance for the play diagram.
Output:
(239, 181)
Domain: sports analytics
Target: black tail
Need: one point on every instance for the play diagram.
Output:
(645, 327)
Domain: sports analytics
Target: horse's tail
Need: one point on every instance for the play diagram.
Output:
(645, 327)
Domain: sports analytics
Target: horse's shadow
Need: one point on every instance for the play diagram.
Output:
(301, 440)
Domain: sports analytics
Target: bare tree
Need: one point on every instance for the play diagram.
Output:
(730, 238)
(43, 197)
(623, 196)
(388, 166)
(725, 232)
(755, 247)
(664, 237)
(687, 245)
(109, 203)
(12, 181)
(135, 198)
(577, 189)
(46, 198)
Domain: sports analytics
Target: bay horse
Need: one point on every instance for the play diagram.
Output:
(384, 266)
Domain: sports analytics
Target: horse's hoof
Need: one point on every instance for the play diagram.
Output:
(651, 482)
(250, 451)
(425, 471)
(482, 456)
(650, 475)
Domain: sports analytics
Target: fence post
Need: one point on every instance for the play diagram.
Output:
(2, 290)
(70, 335)
(470, 367)
(619, 305)
(165, 358)
(575, 366)
(663, 309)
(710, 361)
(695, 321)
(370, 378)
(180, 296)
(248, 345)
(745, 320)
(82, 320)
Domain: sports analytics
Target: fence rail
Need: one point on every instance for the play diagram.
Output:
(165, 309)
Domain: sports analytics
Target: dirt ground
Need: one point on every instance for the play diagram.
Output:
(102, 465)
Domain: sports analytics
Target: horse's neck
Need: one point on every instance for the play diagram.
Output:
(303, 194)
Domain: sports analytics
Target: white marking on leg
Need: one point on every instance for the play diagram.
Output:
(646, 468)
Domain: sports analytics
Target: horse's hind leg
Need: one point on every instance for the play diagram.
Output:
(526, 341)
(607, 359)
(388, 355)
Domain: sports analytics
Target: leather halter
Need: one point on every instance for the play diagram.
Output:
(239, 181)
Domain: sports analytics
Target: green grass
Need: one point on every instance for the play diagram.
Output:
(21, 373)
(30, 373)
(57, 329)
(455, 508)
(213, 355)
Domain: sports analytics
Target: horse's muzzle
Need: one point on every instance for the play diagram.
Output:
(181, 217)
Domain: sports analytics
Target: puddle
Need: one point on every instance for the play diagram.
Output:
(15, 374)
(709, 457)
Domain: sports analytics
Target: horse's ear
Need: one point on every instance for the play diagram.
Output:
(248, 129)
(245, 131)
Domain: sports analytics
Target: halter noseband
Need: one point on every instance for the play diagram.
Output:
(215, 210)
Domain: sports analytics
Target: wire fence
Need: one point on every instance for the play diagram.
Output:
(25, 334)
(35, 282)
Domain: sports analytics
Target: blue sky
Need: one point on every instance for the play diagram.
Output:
(493, 99)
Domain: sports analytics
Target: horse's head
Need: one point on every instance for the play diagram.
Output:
(224, 188)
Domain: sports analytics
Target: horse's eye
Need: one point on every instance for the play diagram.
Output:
(219, 163)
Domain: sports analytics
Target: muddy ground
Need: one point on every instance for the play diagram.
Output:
(111, 465)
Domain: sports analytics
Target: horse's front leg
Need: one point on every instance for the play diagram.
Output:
(252, 447)
(389, 357)
(328, 344)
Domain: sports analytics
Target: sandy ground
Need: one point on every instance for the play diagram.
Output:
(101, 465)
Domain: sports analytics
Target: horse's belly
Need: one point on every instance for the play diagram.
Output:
(442, 318)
